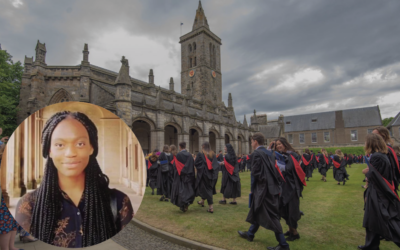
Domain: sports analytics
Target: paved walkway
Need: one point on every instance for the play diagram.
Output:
(131, 238)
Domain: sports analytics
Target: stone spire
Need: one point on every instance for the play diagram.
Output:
(245, 121)
(40, 53)
(171, 84)
(151, 77)
(124, 93)
(230, 101)
(85, 54)
(200, 20)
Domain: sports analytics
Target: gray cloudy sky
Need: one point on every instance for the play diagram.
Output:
(278, 57)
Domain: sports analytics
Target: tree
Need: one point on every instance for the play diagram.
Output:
(10, 84)
(386, 121)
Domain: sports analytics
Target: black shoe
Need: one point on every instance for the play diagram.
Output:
(278, 247)
(307, 179)
(362, 247)
(162, 198)
(166, 200)
(286, 234)
(364, 180)
(339, 183)
(293, 237)
(152, 193)
(245, 236)
(233, 203)
(301, 213)
(222, 202)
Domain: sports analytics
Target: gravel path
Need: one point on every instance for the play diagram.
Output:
(134, 238)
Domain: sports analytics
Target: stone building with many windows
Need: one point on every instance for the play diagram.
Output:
(394, 128)
(335, 128)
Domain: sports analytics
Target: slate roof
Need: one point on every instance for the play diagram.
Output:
(325, 120)
(115, 73)
(359, 117)
(270, 131)
(395, 121)
(362, 117)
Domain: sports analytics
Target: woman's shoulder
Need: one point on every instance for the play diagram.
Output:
(29, 197)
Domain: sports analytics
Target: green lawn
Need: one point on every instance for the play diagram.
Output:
(333, 217)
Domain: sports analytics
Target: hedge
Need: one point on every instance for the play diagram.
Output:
(347, 150)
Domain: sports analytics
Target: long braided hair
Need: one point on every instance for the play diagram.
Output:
(98, 224)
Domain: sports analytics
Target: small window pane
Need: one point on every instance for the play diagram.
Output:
(301, 138)
(327, 137)
(313, 137)
(314, 120)
(288, 123)
(290, 138)
(354, 135)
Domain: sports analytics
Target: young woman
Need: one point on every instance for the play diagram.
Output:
(349, 160)
(381, 208)
(164, 179)
(206, 163)
(307, 161)
(323, 164)
(230, 186)
(292, 188)
(339, 167)
(153, 167)
(73, 207)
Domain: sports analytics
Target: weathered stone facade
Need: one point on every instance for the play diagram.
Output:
(156, 115)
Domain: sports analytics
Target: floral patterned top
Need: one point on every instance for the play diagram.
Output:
(69, 231)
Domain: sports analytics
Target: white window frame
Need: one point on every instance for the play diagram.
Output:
(316, 138)
(351, 133)
(290, 136)
(304, 138)
(329, 136)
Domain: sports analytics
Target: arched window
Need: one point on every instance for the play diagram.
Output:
(215, 58)
(195, 62)
(190, 48)
(60, 96)
(190, 65)
(194, 46)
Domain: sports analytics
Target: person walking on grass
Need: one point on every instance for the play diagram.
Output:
(206, 164)
(265, 189)
(339, 167)
(381, 207)
(230, 185)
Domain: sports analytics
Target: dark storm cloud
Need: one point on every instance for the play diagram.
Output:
(343, 40)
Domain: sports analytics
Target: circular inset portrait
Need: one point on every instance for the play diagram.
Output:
(72, 174)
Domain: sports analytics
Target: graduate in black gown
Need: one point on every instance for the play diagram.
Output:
(307, 163)
(183, 187)
(394, 161)
(292, 188)
(382, 204)
(153, 168)
(248, 162)
(339, 167)
(266, 179)
(164, 180)
(230, 185)
(206, 164)
(323, 164)
(220, 158)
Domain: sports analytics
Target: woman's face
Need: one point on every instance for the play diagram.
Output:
(280, 147)
(70, 148)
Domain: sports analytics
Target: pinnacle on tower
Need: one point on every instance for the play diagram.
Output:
(245, 121)
(230, 100)
(151, 77)
(85, 53)
(171, 84)
(200, 20)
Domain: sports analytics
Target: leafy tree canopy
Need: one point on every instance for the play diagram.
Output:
(10, 83)
(386, 121)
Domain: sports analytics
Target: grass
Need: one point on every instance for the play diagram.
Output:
(333, 217)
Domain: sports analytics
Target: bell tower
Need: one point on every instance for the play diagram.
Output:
(201, 61)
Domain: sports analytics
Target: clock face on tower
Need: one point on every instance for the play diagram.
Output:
(213, 74)
(191, 73)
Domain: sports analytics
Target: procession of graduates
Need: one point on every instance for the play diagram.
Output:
(278, 176)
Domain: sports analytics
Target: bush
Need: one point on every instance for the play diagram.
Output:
(347, 150)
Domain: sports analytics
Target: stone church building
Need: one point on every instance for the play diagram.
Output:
(157, 116)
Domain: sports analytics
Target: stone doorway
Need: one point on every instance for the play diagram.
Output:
(141, 129)
(213, 141)
(193, 141)
(170, 135)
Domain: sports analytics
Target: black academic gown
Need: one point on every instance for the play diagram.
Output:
(349, 160)
(205, 177)
(323, 166)
(164, 180)
(382, 205)
(292, 190)
(264, 208)
(248, 162)
(308, 169)
(394, 163)
(230, 185)
(340, 174)
(183, 187)
(153, 172)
